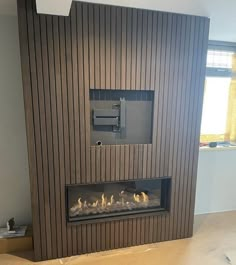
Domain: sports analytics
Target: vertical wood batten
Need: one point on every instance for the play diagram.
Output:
(170, 96)
(127, 162)
(175, 126)
(75, 84)
(108, 46)
(125, 232)
(160, 88)
(102, 39)
(122, 163)
(86, 91)
(157, 99)
(70, 102)
(118, 49)
(183, 129)
(49, 174)
(61, 161)
(179, 130)
(65, 138)
(143, 44)
(113, 47)
(98, 164)
(172, 146)
(191, 114)
(89, 238)
(103, 163)
(117, 162)
(52, 80)
(131, 159)
(154, 50)
(123, 84)
(48, 107)
(113, 163)
(165, 53)
(128, 49)
(135, 163)
(108, 235)
(91, 46)
(81, 92)
(108, 163)
(134, 48)
(71, 233)
(169, 87)
(97, 47)
(138, 50)
(149, 50)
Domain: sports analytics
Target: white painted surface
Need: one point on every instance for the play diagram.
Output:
(14, 177)
(58, 7)
(216, 181)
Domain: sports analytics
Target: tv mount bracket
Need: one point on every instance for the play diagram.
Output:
(115, 117)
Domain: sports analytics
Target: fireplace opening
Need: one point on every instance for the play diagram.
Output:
(117, 199)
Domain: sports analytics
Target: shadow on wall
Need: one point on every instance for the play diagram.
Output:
(14, 175)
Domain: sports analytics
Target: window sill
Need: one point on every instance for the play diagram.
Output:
(218, 148)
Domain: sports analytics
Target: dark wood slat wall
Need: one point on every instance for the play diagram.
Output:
(107, 47)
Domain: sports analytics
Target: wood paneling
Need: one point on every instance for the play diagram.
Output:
(107, 47)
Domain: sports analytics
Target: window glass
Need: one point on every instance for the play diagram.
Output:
(215, 105)
(220, 59)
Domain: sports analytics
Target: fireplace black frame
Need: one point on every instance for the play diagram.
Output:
(164, 208)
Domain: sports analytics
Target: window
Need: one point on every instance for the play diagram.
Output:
(219, 105)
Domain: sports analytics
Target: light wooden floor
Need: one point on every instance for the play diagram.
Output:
(214, 242)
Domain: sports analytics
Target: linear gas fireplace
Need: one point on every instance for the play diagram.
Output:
(92, 202)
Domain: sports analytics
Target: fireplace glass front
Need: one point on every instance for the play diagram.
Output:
(117, 199)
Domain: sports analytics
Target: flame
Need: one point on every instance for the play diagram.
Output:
(104, 200)
(145, 197)
(80, 203)
(136, 198)
(122, 201)
(95, 204)
(112, 199)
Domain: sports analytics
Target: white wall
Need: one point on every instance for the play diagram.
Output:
(14, 177)
(216, 181)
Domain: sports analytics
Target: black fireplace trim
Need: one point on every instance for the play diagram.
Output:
(161, 211)
(117, 218)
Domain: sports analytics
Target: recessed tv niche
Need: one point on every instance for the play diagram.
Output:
(121, 116)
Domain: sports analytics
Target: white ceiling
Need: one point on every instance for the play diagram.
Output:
(62, 8)
(222, 13)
